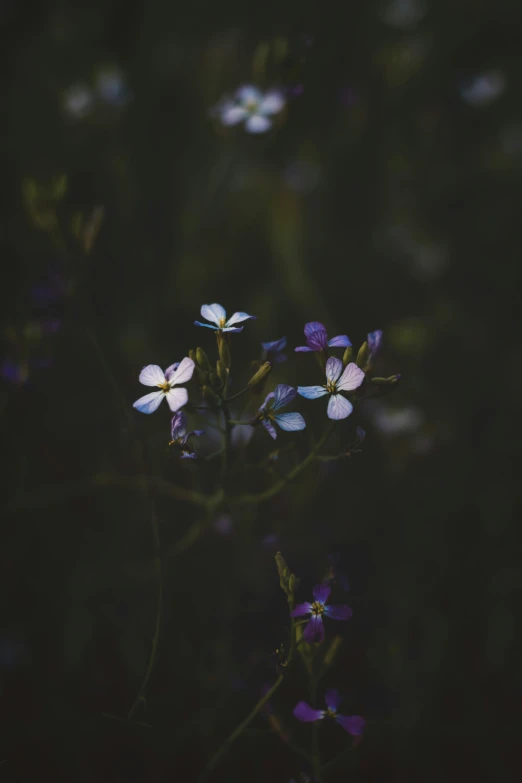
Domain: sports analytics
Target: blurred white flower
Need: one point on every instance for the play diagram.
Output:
(397, 421)
(252, 107)
(484, 88)
(112, 87)
(404, 13)
(78, 101)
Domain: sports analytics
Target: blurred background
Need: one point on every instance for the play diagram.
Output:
(386, 195)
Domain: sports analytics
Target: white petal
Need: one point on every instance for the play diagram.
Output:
(334, 368)
(291, 422)
(183, 373)
(238, 317)
(351, 378)
(231, 114)
(171, 370)
(177, 398)
(214, 313)
(272, 103)
(339, 407)
(149, 402)
(152, 375)
(257, 124)
(249, 94)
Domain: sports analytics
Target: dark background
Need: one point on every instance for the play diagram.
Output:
(388, 196)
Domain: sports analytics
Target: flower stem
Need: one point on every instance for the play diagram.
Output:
(237, 394)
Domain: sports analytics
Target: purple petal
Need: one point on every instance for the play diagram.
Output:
(256, 123)
(207, 326)
(307, 714)
(152, 375)
(314, 631)
(230, 114)
(177, 398)
(338, 612)
(188, 455)
(332, 698)
(338, 407)
(303, 349)
(351, 378)
(269, 427)
(353, 724)
(249, 94)
(268, 403)
(197, 433)
(183, 372)
(341, 341)
(238, 317)
(283, 395)
(334, 368)
(214, 313)
(290, 422)
(302, 609)
(276, 345)
(321, 593)
(311, 392)
(317, 341)
(178, 425)
(374, 341)
(314, 326)
(149, 403)
(272, 102)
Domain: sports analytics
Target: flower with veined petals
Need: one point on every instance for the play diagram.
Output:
(180, 436)
(353, 724)
(275, 348)
(253, 107)
(218, 316)
(281, 396)
(337, 380)
(374, 341)
(315, 629)
(168, 383)
(317, 338)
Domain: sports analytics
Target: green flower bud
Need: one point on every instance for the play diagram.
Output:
(347, 356)
(201, 359)
(215, 381)
(363, 355)
(211, 397)
(260, 375)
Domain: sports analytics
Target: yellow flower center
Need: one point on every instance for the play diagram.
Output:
(330, 387)
(251, 106)
(222, 322)
(165, 386)
(317, 608)
(329, 713)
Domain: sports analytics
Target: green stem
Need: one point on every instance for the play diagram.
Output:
(238, 394)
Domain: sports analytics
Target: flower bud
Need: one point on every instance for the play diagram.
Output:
(201, 359)
(214, 379)
(347, 356)
(283, 571)
(210, 396)
(260, 375)
(363, 355)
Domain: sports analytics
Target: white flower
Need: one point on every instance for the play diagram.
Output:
(253, 107)
(78, 101)
(152, 375)
(484, 88)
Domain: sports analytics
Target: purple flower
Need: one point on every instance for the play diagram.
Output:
(281, 396)
(275, 348)
(337, 380)
(180, 436)
(317, 338)
(374, 341)
(315, 629)
(353, 724)
(152, 375)
(218, 316)
(253, 107)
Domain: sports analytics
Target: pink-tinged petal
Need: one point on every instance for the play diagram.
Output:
(213, 312)
(338, 612)
(183, 373)
(152, 375)
(249, 94)
(314, 631)
(269, 427)
(302, 609)
(238, 317)
(338, 407)
(307, 714)
(283, 395)
(334, 368)
(177, 398)
(169, 372)
(311, 392)
(272, 103)
(290, 422)
(341, 341)
(351, 378)
(321, 593)
(332, 698)
(303, 349)
(149, 402)
(231, 114)
(353, 724)
(257, 124)
(233, 328)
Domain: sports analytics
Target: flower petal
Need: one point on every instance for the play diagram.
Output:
(334, 368)
(311, 392)
(314, 631)
(269, 427)
(317, 339)
(256, 123)
(208, 326)
(249, 94)
(341, 341)
(302, 609)
(353, 724)
(152, 375)
(171, 370)
(332, 698)
(272, 102)
(314, 326)
(321, 593)
(338, 407)
(230, 114)
(290, 422)
(283, 395)
(338, 612)
(184, 371)
(233, 328)
(238, 317)
(188, 455)
(351, 378)
(178, 425)
(303, 348)
(177, 398)
(213, 312)
(307, 714)
(374, 341)
(268, 401)
(276, 345)
(149, 402)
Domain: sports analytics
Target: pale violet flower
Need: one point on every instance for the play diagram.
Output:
(180, 436)
(78, 101)
(253, 107)
(337, 380)
(168, 383)
(281, 396)
(484, 88)
(218, 316)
